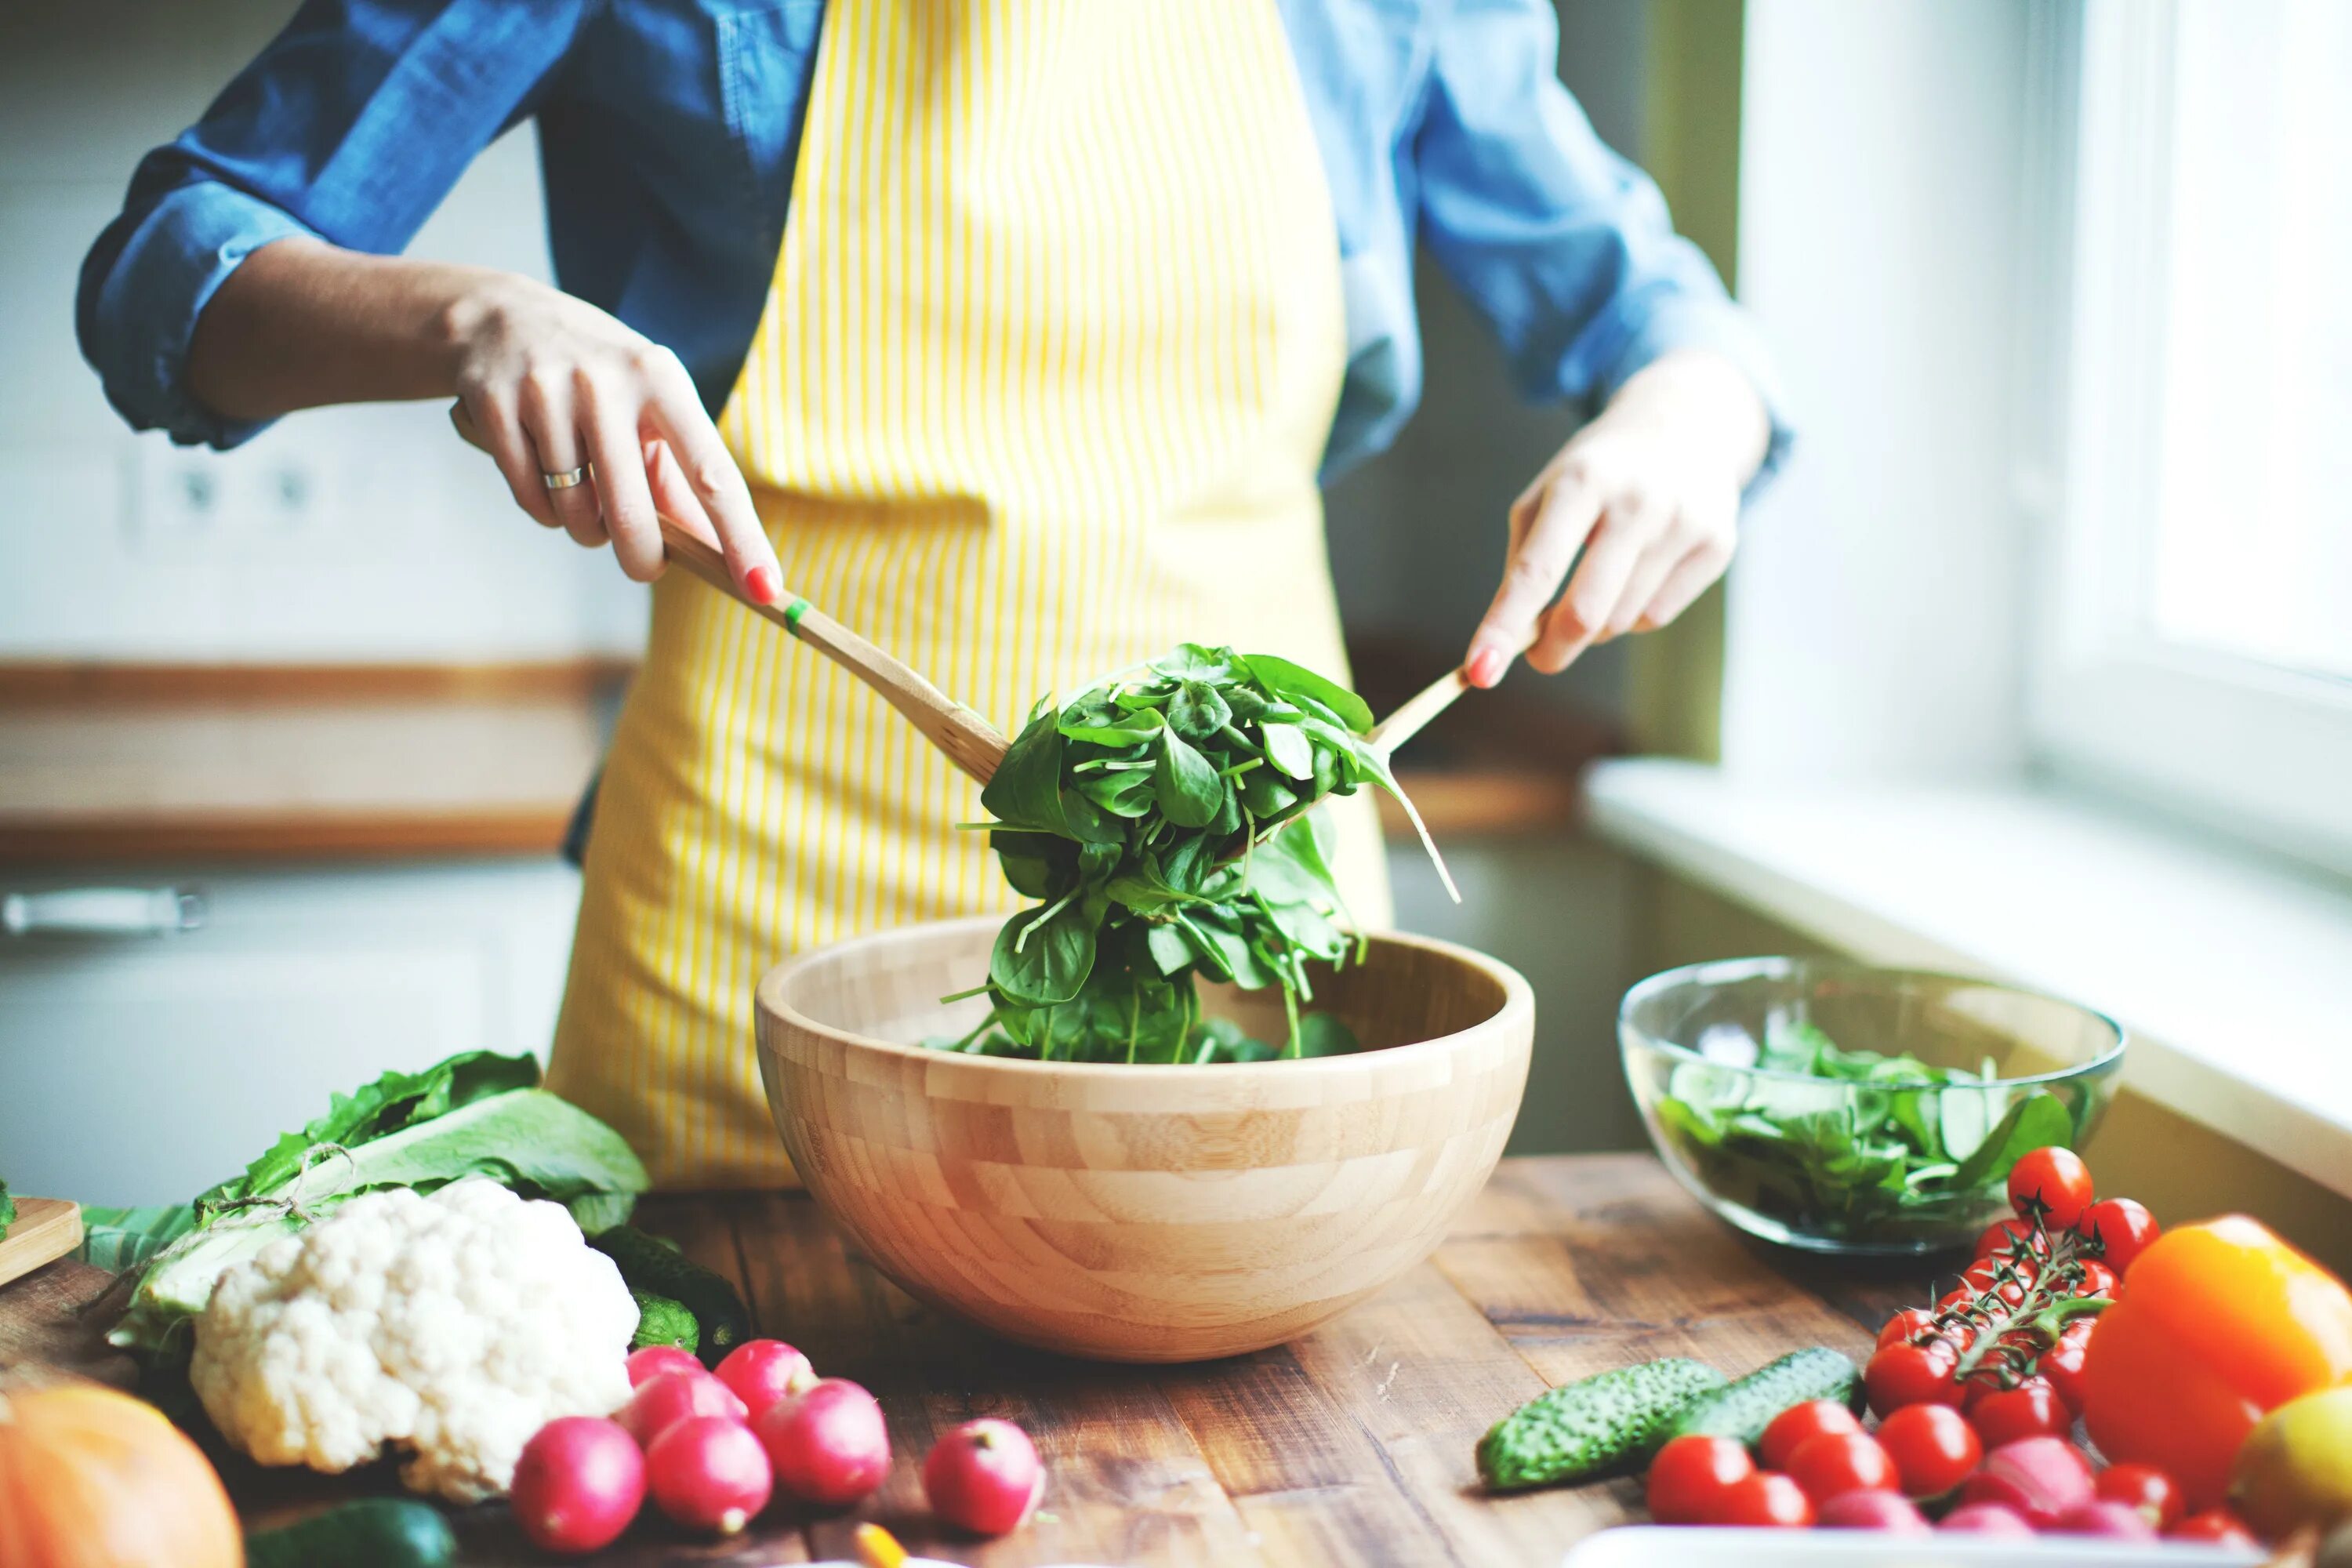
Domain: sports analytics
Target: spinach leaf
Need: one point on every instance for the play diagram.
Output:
(1283, 678)
(1043, 956)
(1185, 785)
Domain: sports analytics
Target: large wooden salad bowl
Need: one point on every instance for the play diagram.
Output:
(1141, 1214)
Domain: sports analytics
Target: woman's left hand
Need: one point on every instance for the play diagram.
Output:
(1649, 492)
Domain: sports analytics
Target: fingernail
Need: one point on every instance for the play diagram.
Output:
(1486, 667)
(762, 584)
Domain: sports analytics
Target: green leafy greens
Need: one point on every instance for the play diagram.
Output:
(7, 1211)
(1874, 1148)
(475, 1114)
(1164, 819)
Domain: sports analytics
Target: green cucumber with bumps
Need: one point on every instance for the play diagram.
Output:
(655, 1267)
(1743, 1408)
(377, 1532)
(1598, 1426)
(663, 1321)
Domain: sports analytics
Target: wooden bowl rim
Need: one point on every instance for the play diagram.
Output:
(1517, 1011)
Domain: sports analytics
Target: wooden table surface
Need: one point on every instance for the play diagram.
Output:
(1351, 1447)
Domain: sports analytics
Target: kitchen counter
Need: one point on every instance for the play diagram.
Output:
(1351, 1447)
(129, 762)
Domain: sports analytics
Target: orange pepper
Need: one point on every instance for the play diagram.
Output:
(2216, 1325)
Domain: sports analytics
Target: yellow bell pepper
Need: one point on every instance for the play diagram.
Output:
(2217, 1325)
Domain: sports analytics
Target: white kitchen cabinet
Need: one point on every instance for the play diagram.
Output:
(139, 1068)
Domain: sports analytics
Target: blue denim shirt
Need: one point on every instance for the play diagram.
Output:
(668, 131)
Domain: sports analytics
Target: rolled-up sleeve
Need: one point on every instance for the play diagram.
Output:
(351, 126)
(1565, 248)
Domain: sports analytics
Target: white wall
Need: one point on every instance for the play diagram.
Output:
(1880, 233)
(403, 545)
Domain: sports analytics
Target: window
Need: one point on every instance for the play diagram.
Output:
(2198, 645)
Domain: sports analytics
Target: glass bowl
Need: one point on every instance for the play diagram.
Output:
(1757, 1080)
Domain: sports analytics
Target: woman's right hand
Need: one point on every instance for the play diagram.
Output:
(547, 383)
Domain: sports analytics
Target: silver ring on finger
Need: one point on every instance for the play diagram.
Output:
(567, 478)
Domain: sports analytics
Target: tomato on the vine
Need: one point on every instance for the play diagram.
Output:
(2032, 1409)
(1910, 1320)
(2054, 1179)
(2098, 1280)
(2122, 1227)
(2061, 1365)
(1836, 1463)
(1768, 1498)
(2144, 1487)
(2001, 1237)
(1982, 1276)
(1900, 1376)
(1690, 1476)
(1933, 1447)
(1800, 1425)
(2214, 1527)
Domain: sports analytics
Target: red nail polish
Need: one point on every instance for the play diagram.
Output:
(1486, 667)
(762, 584)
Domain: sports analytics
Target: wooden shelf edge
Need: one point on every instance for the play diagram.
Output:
(274, 836)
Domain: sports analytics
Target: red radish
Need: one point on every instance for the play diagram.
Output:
(2115, 1521)
(708, 1472)
(829, 1444)
(578, 1484)
(1986, 1519)
(2041, 1478)
(671, 1398)
(650, 1363)
(763, 1371)
(1872, 1511)
(984, 1476)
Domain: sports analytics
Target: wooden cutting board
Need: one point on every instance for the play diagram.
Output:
(46, 1229)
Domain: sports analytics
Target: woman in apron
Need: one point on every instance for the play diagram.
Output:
(1014, 334)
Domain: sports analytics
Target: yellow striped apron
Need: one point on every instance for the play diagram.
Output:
(1041, 387)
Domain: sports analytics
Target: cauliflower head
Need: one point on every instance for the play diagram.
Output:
(452, 1326)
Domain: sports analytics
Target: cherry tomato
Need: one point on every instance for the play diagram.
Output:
(1933, 1447)
(1980, 1278)
(1690, 1475)
(2098, 1280)
(2122, 1227)
(2216, 1527)
(2032, 1409)
(2144, 1487)
(1799, 1425)
(1904, 1324)
(1901, 1375)
(2001, 1237)
(1836, 1463)
(1768, 1498)
(2055, 1180)
(2061, 1365)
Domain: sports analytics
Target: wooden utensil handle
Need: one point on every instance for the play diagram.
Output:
(971, 741)
(1422, 705)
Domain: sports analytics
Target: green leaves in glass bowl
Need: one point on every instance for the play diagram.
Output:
(1853, 1145)
(1164, 821)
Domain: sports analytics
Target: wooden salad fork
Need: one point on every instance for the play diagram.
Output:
(971, 741)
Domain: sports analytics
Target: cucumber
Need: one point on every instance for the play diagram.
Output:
(1599, 1425)
(659, 1268)
(377, 1532)
(663, 1321)
(1744, 1408)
